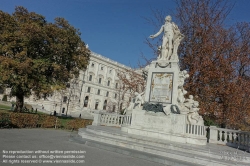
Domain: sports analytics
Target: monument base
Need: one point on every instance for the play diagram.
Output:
(173, 127)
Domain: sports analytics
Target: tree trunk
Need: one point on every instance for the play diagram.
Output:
(19, 102)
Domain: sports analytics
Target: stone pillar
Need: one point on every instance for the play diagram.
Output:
(97, 119)
(213, 134)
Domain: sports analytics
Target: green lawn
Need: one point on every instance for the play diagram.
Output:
(64, 121)
(4, 107)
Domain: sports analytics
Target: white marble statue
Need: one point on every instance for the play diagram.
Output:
(129, 109)
(193, 116)
(181, 91)
(170, 41)
(138, 100)
(182, 76)
(177, 40)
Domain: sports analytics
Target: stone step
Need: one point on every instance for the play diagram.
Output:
(209, 150)
(114, 137)
(130, 152)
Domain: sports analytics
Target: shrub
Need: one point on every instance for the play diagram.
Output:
(78, 123)
(21, 120)
(48, 121)
(4, 98)
(28, 120)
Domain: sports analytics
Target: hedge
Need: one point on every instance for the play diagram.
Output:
(26, 120)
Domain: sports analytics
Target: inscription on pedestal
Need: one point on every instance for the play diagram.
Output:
(161, 88)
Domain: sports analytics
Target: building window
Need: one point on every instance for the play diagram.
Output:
(115, 95)
(110, 71)
(1, 90)
(116, 85)
(98, 91)
(105, 105)
(108, 83)
(102, 68)
(100, 80)
(63, 110)
(121, 106)
(86, 100)
(65, 99)
(92, 65)
(123, 97)
(96, 104)
(89, 88)
(90, 77)
(129, 99)
(113, 108)
(107, 94)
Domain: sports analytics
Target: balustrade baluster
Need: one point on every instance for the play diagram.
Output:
(220, 136)
(244, 140)
(235, 138)
(115, 120)
(123, 121)
(231, 137)
(108, 119)
(228, 136)
(239, 138)
(248, 140)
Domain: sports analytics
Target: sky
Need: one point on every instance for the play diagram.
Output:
(115, 29)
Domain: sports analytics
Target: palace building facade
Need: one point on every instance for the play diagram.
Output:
(96, 88)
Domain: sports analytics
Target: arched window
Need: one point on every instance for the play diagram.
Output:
(105, 105)
(90, 77)
(89, 88)
(86, 100)
(96, 104)
(121, 106)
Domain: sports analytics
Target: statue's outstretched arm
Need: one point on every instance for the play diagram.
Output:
(157, 34)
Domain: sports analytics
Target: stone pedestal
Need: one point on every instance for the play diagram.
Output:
(162, 82)
(173, 127)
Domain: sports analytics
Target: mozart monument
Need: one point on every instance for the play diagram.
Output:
(163, 112)
(162, 121)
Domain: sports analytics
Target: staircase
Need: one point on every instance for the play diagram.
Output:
(161, 151)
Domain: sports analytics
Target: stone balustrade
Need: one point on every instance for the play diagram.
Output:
(233, 138)
(196, 130)
(108, 119)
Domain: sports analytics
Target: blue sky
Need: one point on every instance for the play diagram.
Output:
(113, 28)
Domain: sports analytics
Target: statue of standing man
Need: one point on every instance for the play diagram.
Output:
(171, 39)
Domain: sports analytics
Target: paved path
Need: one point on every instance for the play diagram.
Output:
(24, 140)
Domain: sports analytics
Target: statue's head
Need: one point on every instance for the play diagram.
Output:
(168, 18)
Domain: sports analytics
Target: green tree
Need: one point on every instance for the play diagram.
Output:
(37, 57)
